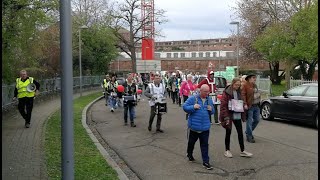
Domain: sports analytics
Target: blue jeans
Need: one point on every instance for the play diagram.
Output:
(252, 119)
(131, 112)
(204, 145)
(112, 102)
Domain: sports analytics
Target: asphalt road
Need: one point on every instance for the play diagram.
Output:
(282, 150)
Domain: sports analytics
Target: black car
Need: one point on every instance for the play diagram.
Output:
(299, 103)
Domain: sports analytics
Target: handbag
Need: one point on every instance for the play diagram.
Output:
(236, 105)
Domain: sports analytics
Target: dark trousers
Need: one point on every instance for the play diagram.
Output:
(169, 93)
(25, 108)
(204, 145)
(174, 96)
(152, 115)
(215, 114)
(130, 108)
(238, 125)
(184, 100)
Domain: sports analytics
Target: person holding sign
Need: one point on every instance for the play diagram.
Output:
(231, 111)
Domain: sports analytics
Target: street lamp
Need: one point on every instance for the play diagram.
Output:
(237, 23)
(80, 66)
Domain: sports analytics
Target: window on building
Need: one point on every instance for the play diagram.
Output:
(230, 54)
(168, 55)
(183, 55)
(193, 54)
(207, 54)
(157, 55)
(214, 54)
(175, 55)
(200, 54)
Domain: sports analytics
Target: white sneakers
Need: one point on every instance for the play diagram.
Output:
(245, 154)
(228, 154)
(242, 154)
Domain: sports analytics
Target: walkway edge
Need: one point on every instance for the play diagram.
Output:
(104, 153)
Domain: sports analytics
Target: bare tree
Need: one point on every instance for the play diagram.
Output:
(255, 17)
(89, 12)
(127, 26)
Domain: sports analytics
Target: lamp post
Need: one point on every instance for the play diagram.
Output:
(219, 63)
(80, 66)
(237, 23)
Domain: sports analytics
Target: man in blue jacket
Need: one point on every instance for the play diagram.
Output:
(200, 108)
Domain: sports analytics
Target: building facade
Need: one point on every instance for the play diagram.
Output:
(193, 55)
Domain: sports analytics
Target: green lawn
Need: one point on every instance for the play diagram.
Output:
(89, 163)
(277, 90)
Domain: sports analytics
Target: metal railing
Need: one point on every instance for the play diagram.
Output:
(48, 86)
(297, 82)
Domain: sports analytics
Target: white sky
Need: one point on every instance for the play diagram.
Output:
(196, 19)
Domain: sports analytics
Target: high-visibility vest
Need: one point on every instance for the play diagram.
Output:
(22, 88)
(105, 83)
(115, 85)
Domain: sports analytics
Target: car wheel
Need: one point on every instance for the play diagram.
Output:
(266, 111)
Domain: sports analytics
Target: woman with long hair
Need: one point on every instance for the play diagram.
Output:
(231, 112)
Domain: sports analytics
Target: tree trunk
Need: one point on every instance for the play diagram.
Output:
(289, 66)
(133, 60)
(309, 73)
(274, 73)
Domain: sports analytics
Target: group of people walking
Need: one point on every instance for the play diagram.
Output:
(239, 103)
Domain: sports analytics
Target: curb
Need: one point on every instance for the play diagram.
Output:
(104, 153)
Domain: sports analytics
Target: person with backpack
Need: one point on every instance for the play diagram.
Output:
(199, 108)
(232, 112)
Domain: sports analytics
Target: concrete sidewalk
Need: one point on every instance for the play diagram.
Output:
(23, 149)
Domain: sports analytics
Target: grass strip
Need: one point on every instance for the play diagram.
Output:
(89, 163)
(277, 90)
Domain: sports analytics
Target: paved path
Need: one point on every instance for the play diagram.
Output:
(22, 149)
(282, 150)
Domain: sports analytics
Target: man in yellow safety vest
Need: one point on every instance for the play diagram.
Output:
(25, 95)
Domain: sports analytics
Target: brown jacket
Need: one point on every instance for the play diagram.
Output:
(247, 93)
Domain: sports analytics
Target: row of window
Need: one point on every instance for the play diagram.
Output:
(194, 54)
(194, 42)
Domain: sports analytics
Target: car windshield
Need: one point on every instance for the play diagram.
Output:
(297, 91)
(312, 91)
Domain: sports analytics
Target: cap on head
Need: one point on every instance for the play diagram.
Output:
(249, 76)
(211, 72)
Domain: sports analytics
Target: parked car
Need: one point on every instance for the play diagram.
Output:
(299, 103)
(220, 81)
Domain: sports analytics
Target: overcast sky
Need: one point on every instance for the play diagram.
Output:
(196, 19)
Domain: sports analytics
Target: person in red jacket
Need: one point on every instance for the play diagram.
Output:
(209, 80)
